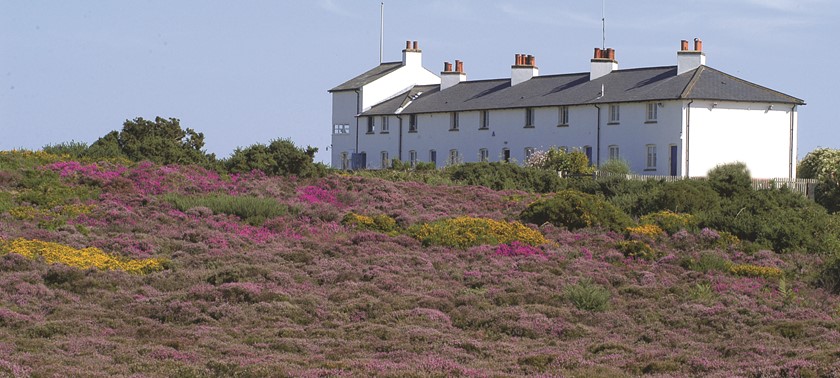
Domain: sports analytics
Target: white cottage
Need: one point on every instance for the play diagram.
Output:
(672, 120)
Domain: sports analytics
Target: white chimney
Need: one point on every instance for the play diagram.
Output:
(688, 60)
(412, 55)
(449, 78)
(524, 69)
(602, 63)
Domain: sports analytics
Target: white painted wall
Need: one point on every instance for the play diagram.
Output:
(633, 133)
(751, 133)
(396, 82)
(343, 112)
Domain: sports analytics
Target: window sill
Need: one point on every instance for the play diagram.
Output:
(563, 125)
(370, 133)
(383, 132)
(650, 121)
(650, 170)
(412, 131)
(529, 126)
(613, 123)
(484, 128)
(454, 129)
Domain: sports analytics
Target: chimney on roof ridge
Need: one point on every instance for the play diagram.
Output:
(603, 62)
(412, 55)
(449, 78)
(688, 60)
(523, 69)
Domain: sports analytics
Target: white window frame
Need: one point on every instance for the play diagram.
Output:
(412, 158)
(614, 152)
(528, 152)
(371, 125)
(563, 116)
(483, 155)
(385, 162)
(433, 156)
(454, 121)
(454, 157)
(484, 120)
(412, 123)
(650, 161)
(384, 128)
(529, 117)
(341, 129)
(651, 112)
(615, 113)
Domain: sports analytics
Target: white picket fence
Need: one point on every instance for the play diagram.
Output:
(805, 187)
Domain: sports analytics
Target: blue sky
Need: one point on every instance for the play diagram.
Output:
(248, 72)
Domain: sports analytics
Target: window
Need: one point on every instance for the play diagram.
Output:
(412, 158)
(453, 121)
(454, 158)
(371, 125)
(484, 120)
(614, 114)
(614, 154)
(385, 162)
(483, 155)
(433, 157)
(651, 112)
(412, 123)
(341, 129)
(528, 152)
(529, 117)
(384, 125)
(345, 161)
(651, 156)
(563, 116)
(587, 150)
(506, 155)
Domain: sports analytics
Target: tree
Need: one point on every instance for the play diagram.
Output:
(730, 179)
(162, 141)
(280, 157)
(823, 164)
(573, 163)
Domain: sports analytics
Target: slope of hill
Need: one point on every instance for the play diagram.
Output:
(175, 283)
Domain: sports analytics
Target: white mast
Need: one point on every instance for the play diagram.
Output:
(381, 29)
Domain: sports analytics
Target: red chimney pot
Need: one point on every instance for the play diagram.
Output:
(698, 44)
(611, 54)
(408, 45)
(597, 54)
(416, 46)
(447, 67)
(683, 45)
(459, 66)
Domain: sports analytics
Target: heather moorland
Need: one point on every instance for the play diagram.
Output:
(145, 269)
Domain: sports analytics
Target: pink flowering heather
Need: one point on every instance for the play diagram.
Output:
(314, 194)
(516, 248)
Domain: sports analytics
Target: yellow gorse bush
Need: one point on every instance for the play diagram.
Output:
(650, 231)
(79, 258)
(381, 222)
(670, 221)
(750, 270)
(465, 232)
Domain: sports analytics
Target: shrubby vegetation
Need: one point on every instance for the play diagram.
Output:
(575, 210)
(279, 158)
(823, 164)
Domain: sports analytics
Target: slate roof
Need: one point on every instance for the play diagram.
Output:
(630, 85)
(367, 77)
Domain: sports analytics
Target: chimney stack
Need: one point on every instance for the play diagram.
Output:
(449, 78)
(412, 55)
(603, 62)
(523, 69)
(689, 60)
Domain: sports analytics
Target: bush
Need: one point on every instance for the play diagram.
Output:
(750, 270)
(615, 167)
(670, 222)
(464, 232)
(380, 222)
(162, 142)
(279, 158)
(573, 163)
(823, 164)
(588, 296)
(504, 176)
(638, 249)
(252, 210)
(575, 210)
(730, 179)
(685, 196)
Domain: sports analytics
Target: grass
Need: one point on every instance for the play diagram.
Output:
(253, 210)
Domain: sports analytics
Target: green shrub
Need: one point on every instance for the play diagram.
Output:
(380, 222)
(503, 176)
(638, 249)
(685, 196)
(829, 275)
(706, 262)
(279, 158)
(253, 210)
(575, 210)
(74, 150)
(573, 163)
(615, 166)
(587, 296)
(670, 222)
(823, 164)
(730, 179)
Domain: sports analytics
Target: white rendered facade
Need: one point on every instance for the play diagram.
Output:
(676, 136)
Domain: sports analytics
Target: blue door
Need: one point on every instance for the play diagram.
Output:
(674, 160)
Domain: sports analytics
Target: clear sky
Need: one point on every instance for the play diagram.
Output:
(245, 72)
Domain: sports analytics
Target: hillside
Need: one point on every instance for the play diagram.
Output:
(294, 286)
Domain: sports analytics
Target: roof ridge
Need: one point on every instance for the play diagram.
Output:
(754, 85)
(695, 77)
